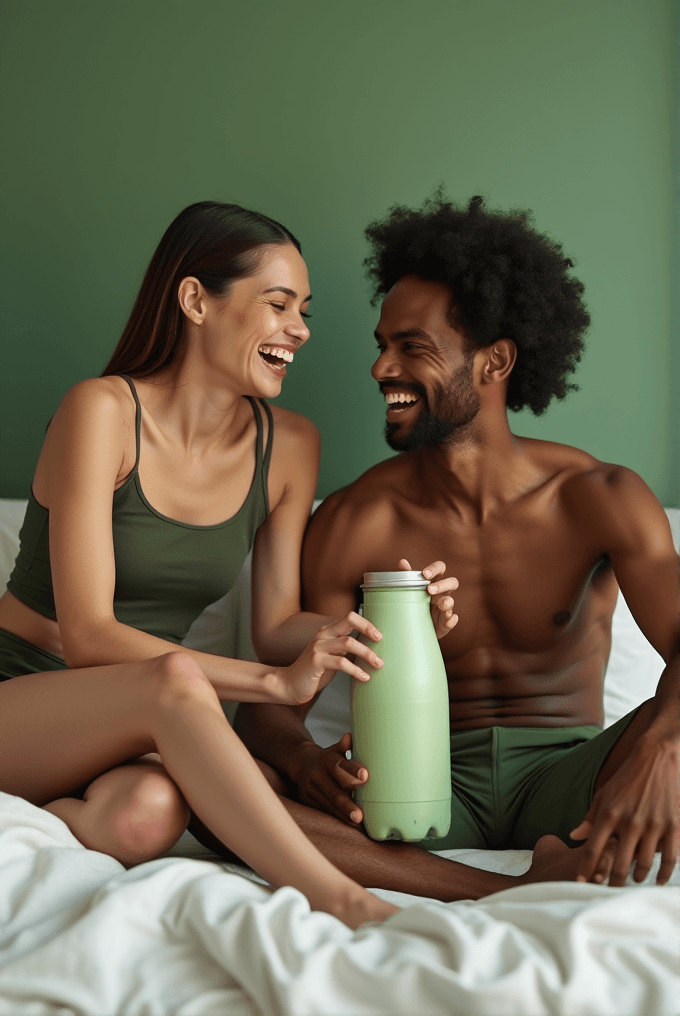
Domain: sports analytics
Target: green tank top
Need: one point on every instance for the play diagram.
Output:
(167, 572)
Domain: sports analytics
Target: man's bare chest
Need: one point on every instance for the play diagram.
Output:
(526, 585)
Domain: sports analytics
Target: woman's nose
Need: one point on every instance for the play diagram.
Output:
(299, 329)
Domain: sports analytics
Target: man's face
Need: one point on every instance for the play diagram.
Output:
(424, 369)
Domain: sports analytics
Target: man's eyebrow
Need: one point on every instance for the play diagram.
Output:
(288, 292)
(407, 333)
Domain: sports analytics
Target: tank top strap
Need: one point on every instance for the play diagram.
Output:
(263, 453)
(270, 438)
(138, 417)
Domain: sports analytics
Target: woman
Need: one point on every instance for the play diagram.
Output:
(153, 483)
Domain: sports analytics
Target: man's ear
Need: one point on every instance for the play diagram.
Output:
(191, 296)
(500, 359)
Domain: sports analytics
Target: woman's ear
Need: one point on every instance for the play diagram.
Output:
(191, 296)
(500, 359)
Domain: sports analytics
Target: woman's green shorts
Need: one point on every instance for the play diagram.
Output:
(17, 657)
(512, 785)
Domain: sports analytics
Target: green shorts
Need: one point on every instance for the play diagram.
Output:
(512, 785)
(18, 657)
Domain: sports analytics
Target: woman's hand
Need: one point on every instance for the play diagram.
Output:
(441, 604)
(328, 652)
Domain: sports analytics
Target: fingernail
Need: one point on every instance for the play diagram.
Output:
(355, 816)
(376, 635)
(581, 878)
(598, 878)
(427, 573)
(433, 589)
(362, 774)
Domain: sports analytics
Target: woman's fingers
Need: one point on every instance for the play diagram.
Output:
(351, 622)
(346, 644)
(328, 662)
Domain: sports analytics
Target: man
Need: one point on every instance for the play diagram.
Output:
(481, 315)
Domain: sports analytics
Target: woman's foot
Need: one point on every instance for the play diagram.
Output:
(364, 908)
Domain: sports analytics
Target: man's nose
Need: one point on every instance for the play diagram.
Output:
(386, 366)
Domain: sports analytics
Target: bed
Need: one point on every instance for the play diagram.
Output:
(190, 935)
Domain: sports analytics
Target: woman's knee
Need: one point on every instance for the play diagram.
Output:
(178, 678)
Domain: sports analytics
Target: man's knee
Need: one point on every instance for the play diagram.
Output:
(151, 817)
(279, 783)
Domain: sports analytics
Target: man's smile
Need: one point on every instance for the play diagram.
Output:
(400, 403)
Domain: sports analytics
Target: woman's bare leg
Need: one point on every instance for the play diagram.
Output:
(60, 731)
(134, 812)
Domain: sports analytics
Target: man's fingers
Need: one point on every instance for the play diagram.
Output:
(404, 565)
(349, 774)
(442, 585)
(623, 861)
(582, 831)
(606, 862)
(339, 803)
(670, 847)
(430, 571)
(328, 798)
(645, 855)
(592, 851)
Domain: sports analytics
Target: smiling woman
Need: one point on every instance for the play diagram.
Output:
(154, 482)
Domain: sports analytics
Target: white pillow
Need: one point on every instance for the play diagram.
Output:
(11, 516)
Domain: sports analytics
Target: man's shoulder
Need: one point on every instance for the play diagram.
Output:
(610, 501)
(579, 473)
(369, 498)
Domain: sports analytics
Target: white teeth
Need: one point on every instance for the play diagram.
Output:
(282, 354)
(392, 397)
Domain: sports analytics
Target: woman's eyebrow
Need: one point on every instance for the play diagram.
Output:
(288, 292)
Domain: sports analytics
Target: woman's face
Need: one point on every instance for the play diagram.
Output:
(251, 335)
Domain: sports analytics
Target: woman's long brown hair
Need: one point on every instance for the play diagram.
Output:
(214, 242)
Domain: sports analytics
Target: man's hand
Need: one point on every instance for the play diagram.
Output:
(632, 816)
(326, 778)
(441, 604)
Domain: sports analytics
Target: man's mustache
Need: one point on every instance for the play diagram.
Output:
(402, 386)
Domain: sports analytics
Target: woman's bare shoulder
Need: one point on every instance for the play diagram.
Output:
(293, 425)
(96, 398)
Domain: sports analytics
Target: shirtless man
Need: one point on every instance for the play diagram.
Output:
(481, 315)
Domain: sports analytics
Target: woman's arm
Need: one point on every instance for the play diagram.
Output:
(85, 459)
(280, 630)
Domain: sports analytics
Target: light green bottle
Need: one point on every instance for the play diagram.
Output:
(400, 718)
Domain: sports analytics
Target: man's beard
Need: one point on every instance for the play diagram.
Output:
(454, 407)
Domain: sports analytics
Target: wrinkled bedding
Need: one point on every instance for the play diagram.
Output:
(80, 934)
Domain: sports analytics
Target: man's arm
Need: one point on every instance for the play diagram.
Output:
(638, 805)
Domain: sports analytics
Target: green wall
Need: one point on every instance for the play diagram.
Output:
(324, 114)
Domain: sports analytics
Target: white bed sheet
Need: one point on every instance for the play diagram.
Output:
(79, 934)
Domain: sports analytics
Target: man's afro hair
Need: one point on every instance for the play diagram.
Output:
(506, 281)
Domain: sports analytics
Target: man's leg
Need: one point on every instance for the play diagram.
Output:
(624, 745)
(404, 867)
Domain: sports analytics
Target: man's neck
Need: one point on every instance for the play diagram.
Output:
(484, 469)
